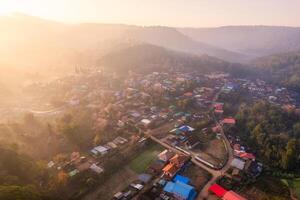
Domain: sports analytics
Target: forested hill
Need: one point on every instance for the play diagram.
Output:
(281, 69)
(144, 58)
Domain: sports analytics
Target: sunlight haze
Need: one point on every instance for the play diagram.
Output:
(194, 13)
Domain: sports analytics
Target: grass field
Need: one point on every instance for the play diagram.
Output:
(144, 159)
(294, 184)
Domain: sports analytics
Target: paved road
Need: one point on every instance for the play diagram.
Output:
(214, 172)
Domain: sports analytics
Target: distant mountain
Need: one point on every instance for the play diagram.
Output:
(254, 41)
(172, 39)
(50, 47)
(38, 44)
(280, 68)
(144, 58)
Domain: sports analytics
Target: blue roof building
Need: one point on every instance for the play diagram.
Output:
(180, 188)
(181, 179)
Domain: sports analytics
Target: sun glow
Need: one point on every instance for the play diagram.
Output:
(6, 7)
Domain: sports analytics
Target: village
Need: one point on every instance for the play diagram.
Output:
(177, 140)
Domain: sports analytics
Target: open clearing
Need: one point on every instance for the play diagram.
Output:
(197, 175)
(212, 151)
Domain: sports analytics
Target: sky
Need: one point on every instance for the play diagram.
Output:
(179, 13)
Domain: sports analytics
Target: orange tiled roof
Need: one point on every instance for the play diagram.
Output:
(178, 159)
(170, 168)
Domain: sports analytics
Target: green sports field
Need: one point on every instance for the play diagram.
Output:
(144, 159)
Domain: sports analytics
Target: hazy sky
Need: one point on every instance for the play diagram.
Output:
(162, 12)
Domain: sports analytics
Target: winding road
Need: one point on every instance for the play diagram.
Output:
(215, 173)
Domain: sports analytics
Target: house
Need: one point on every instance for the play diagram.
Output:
(99, 150)
(144, 178)
(50, 164)
(179, 160)
(255, 169)
(170, 169)
(238, 163)
(218, 190)
(96, 168)
(165, 155)
(245, 155)
(218, 106)
(145, 122)
(216, 129)
(229, 121)
(112, 145)
(73, 172)
(231, 195)
(192, 142)
(219, 111)
(181, 179)
(180, 190)
(120, 140)
(75, 156)
(188, 94)
(186, 129)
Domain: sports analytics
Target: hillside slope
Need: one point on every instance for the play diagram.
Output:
(145, 58)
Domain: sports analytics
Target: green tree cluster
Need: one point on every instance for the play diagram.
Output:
(272, 133)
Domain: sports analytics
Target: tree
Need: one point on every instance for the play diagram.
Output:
(73, 134)
(289, 157)
(296, 130)
(97, 140)
(29, 119)
(19, 193)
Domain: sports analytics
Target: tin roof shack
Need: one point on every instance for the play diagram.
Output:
(94, 167)
(238, 163)
(99, 150)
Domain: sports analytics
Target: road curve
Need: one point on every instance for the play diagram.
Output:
(215, 173)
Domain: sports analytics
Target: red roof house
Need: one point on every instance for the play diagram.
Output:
(228, 121)
(188, 94)
(217, 190)
(231, 195)
(219, 111)
(218, 106)
(246, 156)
